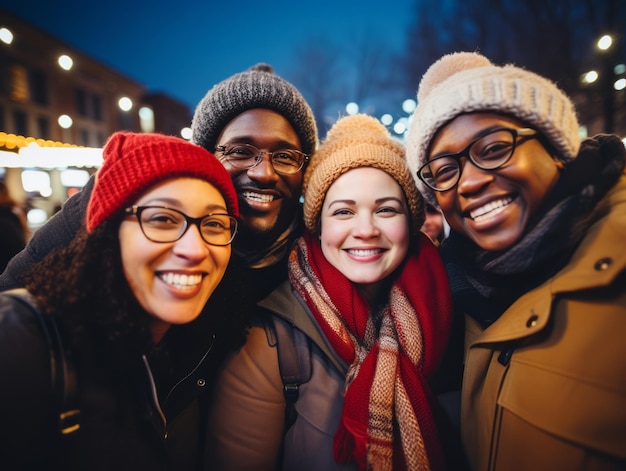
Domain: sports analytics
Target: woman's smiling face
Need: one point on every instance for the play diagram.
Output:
(172, 281)
(493, 207)
(365, 226)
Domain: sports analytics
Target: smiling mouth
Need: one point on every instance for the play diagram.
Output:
(490, 209)
(180, 281)
(364, 252)
(258, 197)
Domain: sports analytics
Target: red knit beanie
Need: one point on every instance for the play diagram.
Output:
(135, 162)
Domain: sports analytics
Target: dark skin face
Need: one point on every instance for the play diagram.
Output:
(268, 201)
(493, 207)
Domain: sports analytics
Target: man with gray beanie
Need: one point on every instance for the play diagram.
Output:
(263, 131)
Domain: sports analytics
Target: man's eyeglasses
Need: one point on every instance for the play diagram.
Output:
(489, 152)
(162, 224)
(246, 156)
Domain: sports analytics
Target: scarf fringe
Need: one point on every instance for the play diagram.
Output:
(350, 448)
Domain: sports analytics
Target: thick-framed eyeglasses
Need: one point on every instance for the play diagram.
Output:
(247, 156)
(162, 224)
(488, 152)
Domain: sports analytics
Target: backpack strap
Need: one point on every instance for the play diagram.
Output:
(294, 361)
(62, 372)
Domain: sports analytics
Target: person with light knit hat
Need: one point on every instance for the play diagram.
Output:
(369, 293)
(156, 243)
(535, 262)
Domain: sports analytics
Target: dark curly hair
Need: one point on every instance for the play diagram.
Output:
(84, 287)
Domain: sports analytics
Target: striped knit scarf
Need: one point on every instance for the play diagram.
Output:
(386, 420)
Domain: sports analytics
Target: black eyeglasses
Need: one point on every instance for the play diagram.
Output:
(488, 152)
(246, 156)
(162, 224)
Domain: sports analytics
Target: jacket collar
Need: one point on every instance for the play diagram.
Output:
(597, 262)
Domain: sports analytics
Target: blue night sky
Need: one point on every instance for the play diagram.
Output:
(184, 47)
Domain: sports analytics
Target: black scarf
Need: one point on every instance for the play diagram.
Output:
(485, 283)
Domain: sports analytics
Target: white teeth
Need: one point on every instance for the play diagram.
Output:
(363, 252)
(489, 208)
(258, 197)
(181, 281)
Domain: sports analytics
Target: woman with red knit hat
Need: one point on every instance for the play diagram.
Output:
(156, 244)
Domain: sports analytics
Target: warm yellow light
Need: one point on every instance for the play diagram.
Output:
(605, 42)
(590, 77)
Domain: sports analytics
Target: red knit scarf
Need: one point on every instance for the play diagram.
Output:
(386, 421)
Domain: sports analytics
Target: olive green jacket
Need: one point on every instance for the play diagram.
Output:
(544, 386)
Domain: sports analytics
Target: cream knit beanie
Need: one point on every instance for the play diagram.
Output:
(466, 82)
(353, 142)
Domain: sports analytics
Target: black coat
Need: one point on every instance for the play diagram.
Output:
(12, 236)
(122, 426)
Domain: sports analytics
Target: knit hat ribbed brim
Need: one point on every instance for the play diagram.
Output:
(466, 82)
(133, 163)
(353, 142)
(257, 87)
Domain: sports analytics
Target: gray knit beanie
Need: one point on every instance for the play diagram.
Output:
(466, 82)
(257, 87)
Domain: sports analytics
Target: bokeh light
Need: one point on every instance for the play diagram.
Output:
(65, 62)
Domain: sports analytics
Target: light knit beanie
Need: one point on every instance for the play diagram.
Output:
(353, 142)
(133, 163)
(466, 82)
(257, 87)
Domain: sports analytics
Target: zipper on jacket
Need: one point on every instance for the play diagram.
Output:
(193, 370)
(155, 396)
(153, 389)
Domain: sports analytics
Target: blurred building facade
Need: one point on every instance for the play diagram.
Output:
(42, 79)
(58, 106)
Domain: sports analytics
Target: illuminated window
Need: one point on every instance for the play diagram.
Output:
(19, 83)
(146, 119)
(73, 178)
(36, 217)
(36, 181)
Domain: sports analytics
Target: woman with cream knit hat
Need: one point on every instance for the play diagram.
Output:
(370, 293)
(535, 260)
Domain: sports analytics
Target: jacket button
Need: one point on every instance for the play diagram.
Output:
(201, 382)
(603, 264)
(532, 321)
